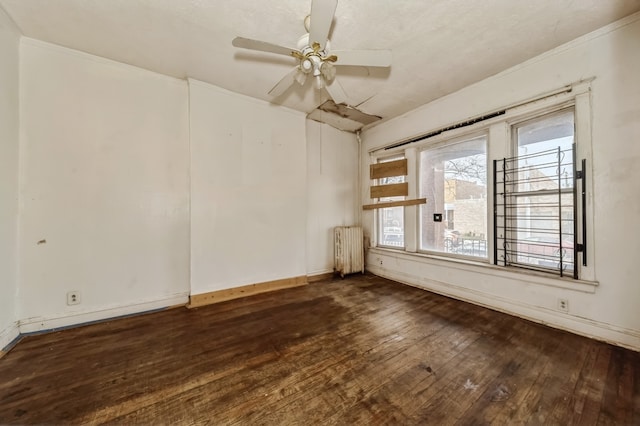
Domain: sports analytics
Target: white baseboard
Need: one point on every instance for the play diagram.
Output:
(593, 329)
(8, 335)
(31, 325)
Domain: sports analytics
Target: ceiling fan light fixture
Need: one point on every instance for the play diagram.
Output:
(300, 77)
(306, 65)
(328, 71)
(318, 82)
(316, 63)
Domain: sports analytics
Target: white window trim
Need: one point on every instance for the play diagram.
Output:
(411, 212)
(580, 99)
(441, 142)
(498, 130)
(374, 159)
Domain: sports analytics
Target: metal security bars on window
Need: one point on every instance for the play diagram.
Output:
(535, 211)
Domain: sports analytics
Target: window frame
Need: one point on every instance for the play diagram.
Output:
(437, 144)
(498, 129)
(542, 262)
(578, 98)
(379, 226)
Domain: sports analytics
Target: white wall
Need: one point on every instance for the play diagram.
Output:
(104, 181)
(137, 189)
(9, 137)
(248, 190)
(610, 310)
(332, 185)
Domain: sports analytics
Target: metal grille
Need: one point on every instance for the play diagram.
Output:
(535, 214)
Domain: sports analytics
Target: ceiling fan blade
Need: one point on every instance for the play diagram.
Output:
(336, 92)
(366, 58)
(284, 83)
(322, 12)
(262, 46)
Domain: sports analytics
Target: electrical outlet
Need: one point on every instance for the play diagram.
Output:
(73, 297)
(563, 305)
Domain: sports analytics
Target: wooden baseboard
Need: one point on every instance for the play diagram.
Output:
(197, 300)
(320, 277)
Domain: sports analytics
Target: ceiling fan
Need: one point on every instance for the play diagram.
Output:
(314, 54)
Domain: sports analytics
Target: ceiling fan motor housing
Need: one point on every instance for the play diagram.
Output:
(314, 59)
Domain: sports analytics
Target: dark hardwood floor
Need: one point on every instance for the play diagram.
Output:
(363, 350)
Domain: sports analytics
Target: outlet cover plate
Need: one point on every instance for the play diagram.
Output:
(73, 298)
(563, 305)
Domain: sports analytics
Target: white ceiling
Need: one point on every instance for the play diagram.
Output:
(439, 46)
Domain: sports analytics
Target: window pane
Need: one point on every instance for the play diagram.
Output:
(391, 219)
(453, 178)
(541, 239)
(540, 213)
(545, 152)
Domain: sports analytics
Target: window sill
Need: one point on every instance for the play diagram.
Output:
(483, 267)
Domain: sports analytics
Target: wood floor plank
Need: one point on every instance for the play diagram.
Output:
(594, 386)
(465, 381)
(363, 350)
(517, 391)
(618, 391)
(345, 372)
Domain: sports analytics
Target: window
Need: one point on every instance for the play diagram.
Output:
(509, 188)
(391, 219)
(453, 178)
(536, 199)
